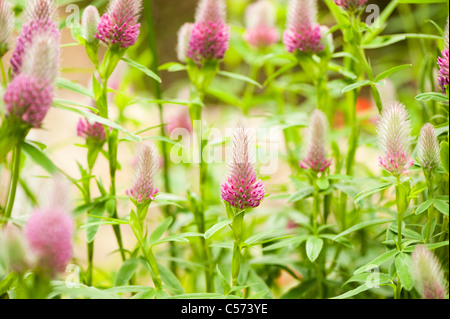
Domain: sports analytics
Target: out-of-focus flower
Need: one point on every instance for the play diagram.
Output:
(184, 35)
(394, 137)
(6, 25)
(14, 249)
(91, 131)
(443, 62)
(242, 188)
(209, 34)
(144, 186)
(119, 25)
(27, 100)
(89, 21)
(315, 157)
(180, 120)
(302, 30)
(428, 274)
(428, 148)
(350, 4)
(260, 19)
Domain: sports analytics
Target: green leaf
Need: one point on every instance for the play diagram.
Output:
(172, 67)
(371, 278)
(74, 87)
(314, 247)
(422, 1)
(445, 156)
(353, 292)
(432, 96)
(170, 279)
(301, 193)
(39, 157)
(177, 237)
(225, 284)
(410, 249)
(391, 71)
(299, 290)
(441, 206)
(142, 68)
(126, 271)
(383, 41)
(240, 77)
(377, 261)
(364, 225)
(403, 265)
(160, 230)
(216, 228)
(372, 190)
(287, 242)
(200, 295)
(147, 294)
(355, 86)
(323, 183)
(91, 230)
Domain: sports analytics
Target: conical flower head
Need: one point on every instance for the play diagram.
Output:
(242, 188)
(443, 62)
(394, 138)
(91, 131)
(144, 186)
(428, 274)
(184, 35)
(50, 230)
(315, 157)
(89, 21)
(350, 4)
(209, 35)
(428, 147)
(260, 18)
(119, 26)
(6, 25)
(41, 11)
(302, 30)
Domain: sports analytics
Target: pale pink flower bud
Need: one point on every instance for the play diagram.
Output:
(443, 62)
(6, 25)
(428, 274)
(180, 120)
(394, 137)
(27, 100)
(89, 21)
(184, 35)
(91, 131)
(302, 30)
(144, 186)
(119, 26)
(242, 188)
(209, 34)
(260, 18)
(428, 148)
(315, 157)
(350, 4)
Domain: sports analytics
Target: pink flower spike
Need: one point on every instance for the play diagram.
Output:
(184, 35)
(119, 26)
(394, 138)
(42, 11)
(315, 156)
(443, 62)
(428, 148)
(302, 30)
(209, 35)
(350, 4)
(91, 131)
(26, 99)
(6, 25)
(260, 18)
(242, 188)
(144, 186)
(428, 274)
(180, 120)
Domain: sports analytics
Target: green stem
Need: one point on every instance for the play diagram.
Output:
(250, 88)
(399, 232)
(14, 180)
(429, 179)
(2, 68)
(237, 226)
(150, 258)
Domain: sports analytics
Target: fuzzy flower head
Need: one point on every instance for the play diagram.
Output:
(209, 35)
(144, 186)
(394, 138)
(428, 274)
(91, 131)
(350, 4)
(302, 30)
(260, 18)
(38, 44)
(27, 100)
(242, 188)
(14, 249)
(184, 35)
(6, 25)
(89, 21)
(119, 25)
(315, 157)
(443, 62)
(180, 121)
(428, 147)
